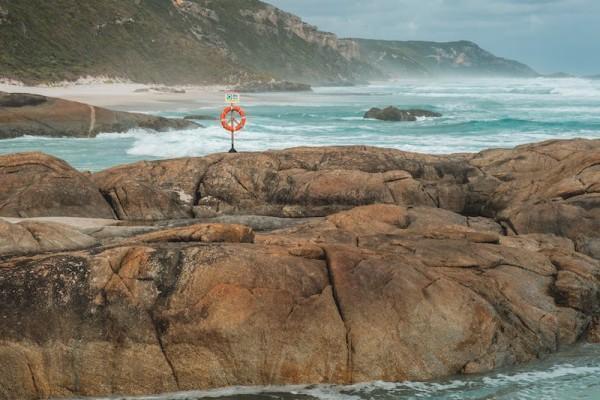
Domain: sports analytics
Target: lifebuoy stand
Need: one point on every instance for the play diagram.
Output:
(233, 118)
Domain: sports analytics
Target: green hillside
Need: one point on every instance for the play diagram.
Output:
(140, 40)
(422, 59)
(204, 41)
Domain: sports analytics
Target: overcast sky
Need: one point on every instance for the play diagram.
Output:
(549, 35)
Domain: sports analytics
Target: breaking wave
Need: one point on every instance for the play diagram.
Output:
(477, 114)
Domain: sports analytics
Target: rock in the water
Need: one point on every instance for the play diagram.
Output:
(272, 86)
(395, 114)
(38, 185)
(27, 114)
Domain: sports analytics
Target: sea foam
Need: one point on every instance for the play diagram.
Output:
(477, 114)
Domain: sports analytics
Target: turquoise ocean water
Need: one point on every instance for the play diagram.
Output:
(478, 114)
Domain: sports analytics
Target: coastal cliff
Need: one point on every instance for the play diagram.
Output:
(385, 265)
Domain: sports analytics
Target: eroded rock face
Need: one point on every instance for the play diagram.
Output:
(152, 320)
(453, 294)
(551, 187)
(28, 114)
(154, 190)
(379, 292)
(38, 185)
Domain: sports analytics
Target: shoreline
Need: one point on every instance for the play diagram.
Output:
(123, 96)
(330, 116)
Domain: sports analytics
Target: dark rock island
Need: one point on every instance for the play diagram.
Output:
(395, 114)
(412, 267)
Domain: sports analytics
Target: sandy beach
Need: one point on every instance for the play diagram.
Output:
(128, 96)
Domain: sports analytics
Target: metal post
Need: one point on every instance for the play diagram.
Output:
(232, 150)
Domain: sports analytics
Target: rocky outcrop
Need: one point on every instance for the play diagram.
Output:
(379, 292)
(412, 267)
(513, 186)
(38, 185)
(272, 86)
(207, 233)
(26, 114)
(300, 182)
(550, 187)
(30, 237)
(395, 114)
(425, 266)
(154, 191)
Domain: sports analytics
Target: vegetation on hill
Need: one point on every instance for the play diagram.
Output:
(419, 59)
(140, 40)
(207, 41)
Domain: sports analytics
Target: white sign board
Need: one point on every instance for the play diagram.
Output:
(232, 98)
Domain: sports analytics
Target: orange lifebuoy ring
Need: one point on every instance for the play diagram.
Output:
(230, 122)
